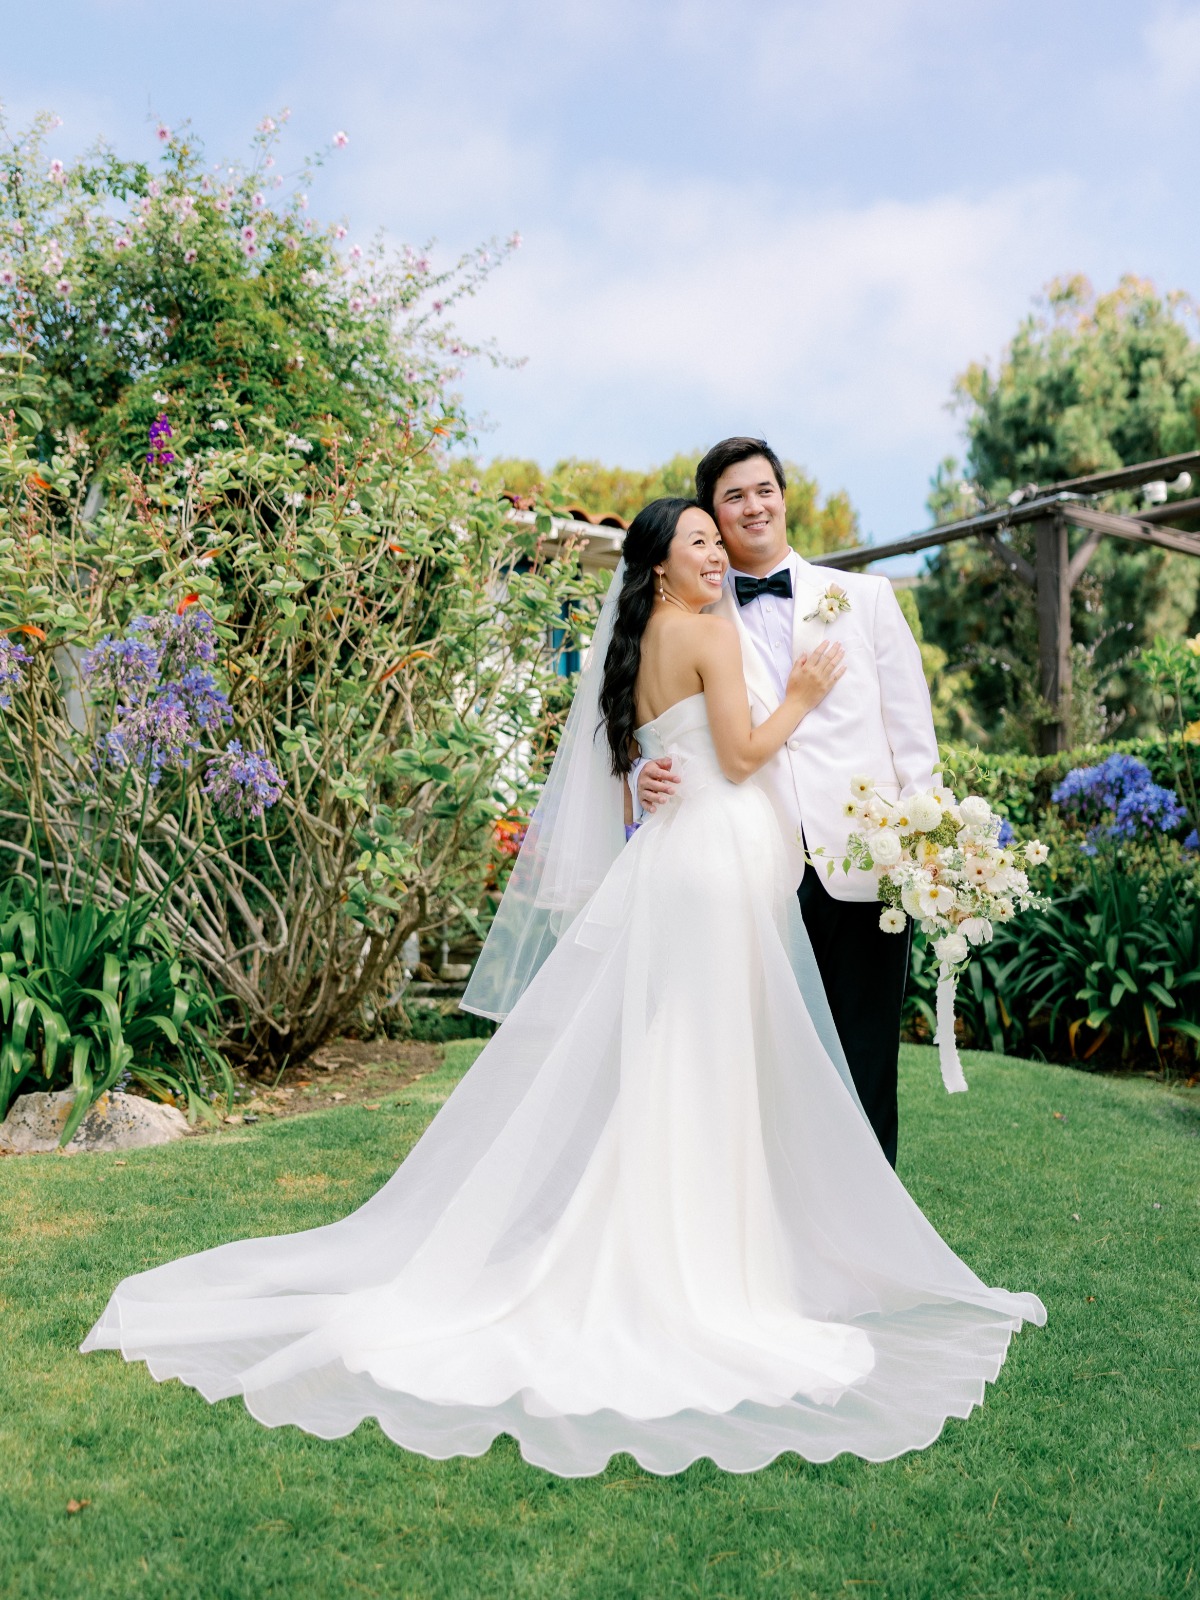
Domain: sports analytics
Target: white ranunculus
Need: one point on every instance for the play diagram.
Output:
(975, 930)
(892, 920)
(924, 812)
(951, 948)
(1036, 852)
(884, 847)
(974, 811)
(910, 899)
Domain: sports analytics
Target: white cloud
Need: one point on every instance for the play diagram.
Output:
(1173, 51)
(709, 301)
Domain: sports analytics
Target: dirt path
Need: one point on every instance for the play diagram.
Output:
(346, 1072)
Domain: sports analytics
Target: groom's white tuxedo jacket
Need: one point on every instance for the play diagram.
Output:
(876, 720)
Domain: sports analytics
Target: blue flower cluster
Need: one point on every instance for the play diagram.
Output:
(12, 659)
(242, 783)
(164, 695)
(1120, 788)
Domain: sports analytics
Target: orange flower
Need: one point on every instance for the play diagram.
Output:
(188, 600)
(34, 633)
(38, 483)
(414, 655)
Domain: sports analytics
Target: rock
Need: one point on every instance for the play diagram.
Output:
(454, 971)
(116, 1122)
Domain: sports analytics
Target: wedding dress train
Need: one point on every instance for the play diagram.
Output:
(651, 1218)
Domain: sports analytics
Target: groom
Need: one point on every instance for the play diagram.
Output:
(876, 723)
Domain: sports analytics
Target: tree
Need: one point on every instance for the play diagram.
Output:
(814, 524)
(1089, 382)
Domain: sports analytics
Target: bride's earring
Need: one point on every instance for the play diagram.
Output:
(662, 588)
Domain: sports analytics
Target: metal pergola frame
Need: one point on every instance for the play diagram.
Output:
(1055, 510)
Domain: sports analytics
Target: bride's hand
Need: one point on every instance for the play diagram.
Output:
(812, 676)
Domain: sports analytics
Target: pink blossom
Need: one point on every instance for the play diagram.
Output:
(292, 242)
(64, 288)
(270, 160)
(340, 140)
(373, 301)
(7, 277)
(267, 125)
(259, 200)
(356, 304)
(163, 132)
(302, 201)
(56, 172)
(222, 204)
(438, 307)
(189, 256)
(340, 231)
(206, 184)
(155, 187)
(356, 252)
(122, 242)
(422, 264)
(515, 242)
(249, 233)
(249, 248)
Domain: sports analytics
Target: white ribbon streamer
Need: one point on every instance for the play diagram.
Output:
(952, 1072)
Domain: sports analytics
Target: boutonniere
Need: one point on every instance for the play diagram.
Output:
(831, 602)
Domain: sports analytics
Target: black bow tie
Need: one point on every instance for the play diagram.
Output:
(748, 589)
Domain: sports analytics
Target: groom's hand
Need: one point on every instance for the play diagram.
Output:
(656, 783)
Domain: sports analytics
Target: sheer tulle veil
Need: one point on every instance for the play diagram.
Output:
(576, 833)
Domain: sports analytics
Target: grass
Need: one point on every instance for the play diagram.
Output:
(1080, 1476)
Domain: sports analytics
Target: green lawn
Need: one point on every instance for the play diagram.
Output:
(1079, 1477)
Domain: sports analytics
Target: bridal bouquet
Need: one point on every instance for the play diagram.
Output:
(951, 865)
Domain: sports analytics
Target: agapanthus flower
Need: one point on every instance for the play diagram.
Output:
(1121, 788)
(183, 641)
(127, 668)
(157, 735)
(242, 783)
(12, 658)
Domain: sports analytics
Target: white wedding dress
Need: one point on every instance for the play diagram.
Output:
(652, 1217)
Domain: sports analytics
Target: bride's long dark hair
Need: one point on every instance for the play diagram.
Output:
(646, 543)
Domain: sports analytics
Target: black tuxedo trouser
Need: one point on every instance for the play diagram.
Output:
(864, 971)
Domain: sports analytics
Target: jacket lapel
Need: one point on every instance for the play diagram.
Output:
(808, 585)
(759, 678)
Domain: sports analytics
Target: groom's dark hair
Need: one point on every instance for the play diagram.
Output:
(727, 454)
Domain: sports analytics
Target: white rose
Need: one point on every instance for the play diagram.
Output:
(924, 812)
(975, 811)
(1036, 852)
(975, 930)
(951, 948)
(884, 847)
(827, 608)
(892, 920)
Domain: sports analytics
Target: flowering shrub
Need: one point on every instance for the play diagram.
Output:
(211, 404)
(123, 287)
(1119, 799)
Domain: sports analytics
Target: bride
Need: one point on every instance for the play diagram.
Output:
(652, 1217)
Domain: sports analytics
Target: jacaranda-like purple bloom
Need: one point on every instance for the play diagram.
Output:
(12, 659)
(242, 783)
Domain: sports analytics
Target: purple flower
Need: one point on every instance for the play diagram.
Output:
(207, 705)
(156, 735)
(1119, 788)
(1006, 835)
(184, 642)
(1192, 842)
(242, 783)
(160, 431)
(12, 658)
(126, 667)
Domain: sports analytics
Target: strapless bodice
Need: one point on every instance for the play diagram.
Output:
(682, 731)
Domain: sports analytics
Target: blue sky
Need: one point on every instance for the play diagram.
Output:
(794, 217)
